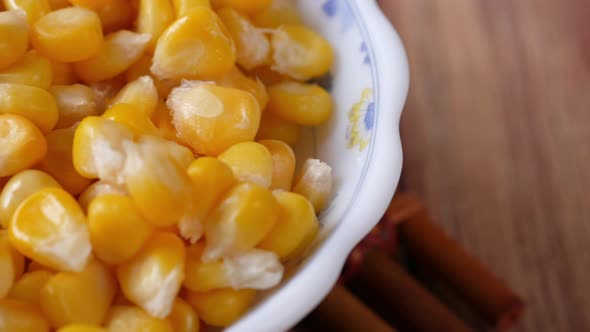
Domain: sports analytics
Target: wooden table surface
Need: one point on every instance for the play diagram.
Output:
(496, 133)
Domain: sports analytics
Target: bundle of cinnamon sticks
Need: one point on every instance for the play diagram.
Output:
(378, 292)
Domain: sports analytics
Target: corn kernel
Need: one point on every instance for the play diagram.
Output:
(33, 103)
(11, 264)
(273, 127)
(300, 53)
(132, 319)
(315, 183)
(153, 18)
(132, 117)
(236, 79)
(153, 278)
(180, 154)
(36, 266)
(68, 35)
(78, 297)
(117, 229)
(203, 276)
(142, 68)
(283, 164)
(242, 219)
(250, 162)
(267, 75)
(91, 4)
(141, 93)
(14, 37)
(252, 45)
(58, 4)
(304, 104)
(97, 189)
(163, 121)
(104, 91)
(81, 328)
(17, 316)
(183, 317)
(31, 69)
(63, 73)
(210, 118)
(195, 46)
(183, 7)
(50, 227)
(280, 12)
(245, 6)
(34, 9)
(22, 143)
(74, 103)
(58, 161)
(116, 15)
(119, 51)
(221, 307)
(28, 287)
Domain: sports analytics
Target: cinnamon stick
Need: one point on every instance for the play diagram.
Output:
(428, 245)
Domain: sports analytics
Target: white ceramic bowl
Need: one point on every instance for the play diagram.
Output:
(362, 144)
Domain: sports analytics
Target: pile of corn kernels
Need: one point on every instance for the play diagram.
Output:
(146, 161)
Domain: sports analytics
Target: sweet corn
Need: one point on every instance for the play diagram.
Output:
(252, 45)
(14, 37)
(242, 219)
(18, 260)
(245, 6)
(97, 189)
(153, 18)
(210, 118)
(183, 317)
(221, 307)
(273, 127)
(104, 91)
(117, 229)
(58, 161)
(58, 4)
(132, 319)
(11, 264)
(78, 297)
(50, 227)
(250, 162)
(28, 287)
(142, 68)
(300, 53)
(74, 103)
(268, 76)
(116, 14)
(22, 143)
(203, 276)
(63, 73)
(236, 79)
(296, 226)
(195, 46)
(119, 51)
(17, 316)
(81, 328)
(34, 9)
(152, 279)
(141, 93)
(36, 266)
(18, 188)
(91, 4)
(68, 35)
(163, 121)
(33, 103)
(32, 69)
(179, 154)
(183, 7)
(283, 164)
(280, 12)
(300, 103)
(132, 117)
(315, 183)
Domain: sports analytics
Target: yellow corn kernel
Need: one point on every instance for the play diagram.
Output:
(283, 164)
(153, 18)
(273, 127)
(36, 266)
(28, 287)
(50, 227)
(245, 6)
(34, 9)
(31, 69)
(58, 4)
(315, 183)
(142, 68)
(91, 4)
(304, 104)
(280, 12)
(183, 7)
(203, 276)
(252, 45)
(78, 297)
(104, 91)
(18, 188)
(98, 149)
(132, 117)
(211, 118)
(267, 75)
(33, 103)
(300, 53)
(236, 79)
(74, 103)
(124, 318)
(119, 51)
(63, 73)
(17, 316)
(297, 225)
(22, 143)
(97, 189)
(141, 93)
(68, 35)
(152, 279)
(117, 229)
(116, 14)
(250, 162)
(11, 264)
(81, 328)
(211, 179)
(221, 307)
(242, 219)
(183, 317)
(195, 46)
(14, 37)
(181, 155)
(163, 121)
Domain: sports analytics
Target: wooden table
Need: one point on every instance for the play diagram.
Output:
(496, 134)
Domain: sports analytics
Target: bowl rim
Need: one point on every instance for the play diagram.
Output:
(300, 295)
